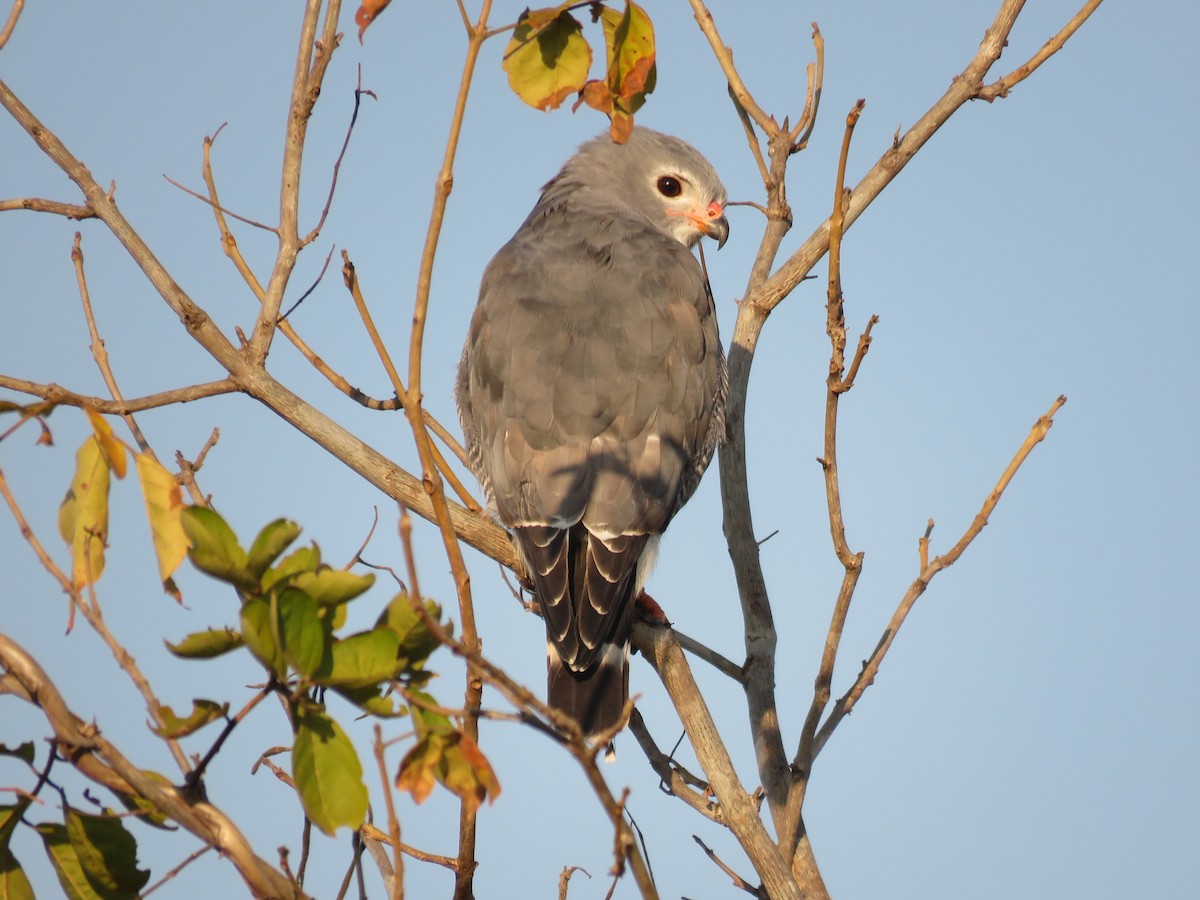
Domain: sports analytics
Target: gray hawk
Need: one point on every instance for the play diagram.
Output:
(591, 392)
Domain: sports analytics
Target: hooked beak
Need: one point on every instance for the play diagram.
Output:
(718, 230)
(712, 223)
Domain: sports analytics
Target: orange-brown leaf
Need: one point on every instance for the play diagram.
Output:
(367, 13)
(596, 95)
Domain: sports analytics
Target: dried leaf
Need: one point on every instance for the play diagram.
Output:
(631, 74)
(114, 450)
(83, 514)
(164, 504)
(452, 758)
(367, 13)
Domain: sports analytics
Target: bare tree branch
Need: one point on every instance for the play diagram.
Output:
(90, 753)
(37, 204)
(11, 23)
(61, 396)
(871, 668)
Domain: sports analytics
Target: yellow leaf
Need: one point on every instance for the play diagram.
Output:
(164, 501)
(113, 449)
(83, 515)
(547, 58)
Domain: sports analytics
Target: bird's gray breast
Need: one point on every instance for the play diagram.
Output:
(592, 374)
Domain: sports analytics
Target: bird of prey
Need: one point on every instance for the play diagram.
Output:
(591, 392)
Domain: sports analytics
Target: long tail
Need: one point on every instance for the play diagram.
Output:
(595, 698)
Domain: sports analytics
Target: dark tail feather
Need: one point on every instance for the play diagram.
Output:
(595, 699)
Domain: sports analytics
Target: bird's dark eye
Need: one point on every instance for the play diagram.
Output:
(669, 186)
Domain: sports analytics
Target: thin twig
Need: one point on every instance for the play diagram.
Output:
(175, 871)
(385, 782)
(337, 165)
(312, 59)
(312, 287)
(216, 207)
(712, 657)
(13, 14)
(738, 880)
(1002, 86)
(446, 862)
(99, 353)
(350, 277)
(59, 395)
(674, 779)
(812, 101)
(37, 204)
(871, 667)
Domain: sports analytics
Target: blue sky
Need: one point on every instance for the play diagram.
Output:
(1033, 730)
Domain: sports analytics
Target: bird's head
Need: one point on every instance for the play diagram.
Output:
(657, 176)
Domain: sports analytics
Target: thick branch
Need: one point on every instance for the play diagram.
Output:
(96, 758)
(739, 811)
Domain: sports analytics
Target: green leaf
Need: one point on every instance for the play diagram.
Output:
(305, 559)
(147, 811)
(259, 634)
(269, 544)
(206, 644)
(23, 751)
(83, 514)
(332, 586)
(66, 863)
(547, 58)
(426, 720)
(13, 883)
(70, 870)
(107, 852)
(416, 641)
(305, 637)
(203, 712)
(362, 660)
(215, 549)
(327, 773)
(372, 700)
(9, 817)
